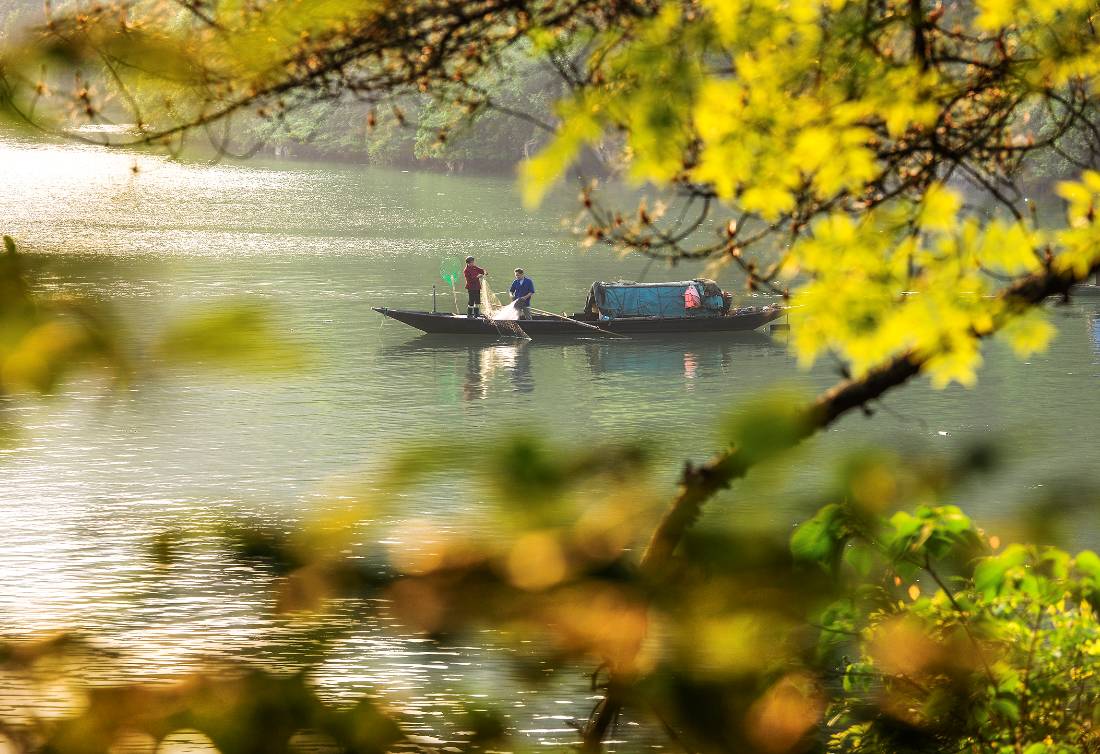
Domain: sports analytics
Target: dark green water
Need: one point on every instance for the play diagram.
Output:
(95, 476)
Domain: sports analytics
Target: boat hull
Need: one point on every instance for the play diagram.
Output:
(431, 322)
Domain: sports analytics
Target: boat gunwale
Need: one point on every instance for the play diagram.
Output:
(459, 325)
(578, 316)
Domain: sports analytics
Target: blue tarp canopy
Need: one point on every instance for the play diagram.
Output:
(624, 299)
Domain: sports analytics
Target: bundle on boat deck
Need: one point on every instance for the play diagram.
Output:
(629, 299)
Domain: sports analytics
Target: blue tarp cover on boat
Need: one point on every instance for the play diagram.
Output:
(624, 299)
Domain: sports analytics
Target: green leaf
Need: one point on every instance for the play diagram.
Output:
(1008, 680)
(1087, 562)
(989, 576)
(858, 676)
(766, 428)
(860, 558)
(816, 540)
(238, 335)
(1006, 708)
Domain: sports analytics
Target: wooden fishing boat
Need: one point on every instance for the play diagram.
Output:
(736, 320)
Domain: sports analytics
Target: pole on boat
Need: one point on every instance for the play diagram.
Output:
(785, 325)
(433, 300)
(581, 324)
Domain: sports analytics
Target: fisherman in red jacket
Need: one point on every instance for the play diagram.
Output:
(473, 275)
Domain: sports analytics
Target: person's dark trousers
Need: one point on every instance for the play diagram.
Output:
(472, 303)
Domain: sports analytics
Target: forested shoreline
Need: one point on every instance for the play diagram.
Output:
(419, 132)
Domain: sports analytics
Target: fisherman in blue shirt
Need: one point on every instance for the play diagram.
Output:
(522, 289)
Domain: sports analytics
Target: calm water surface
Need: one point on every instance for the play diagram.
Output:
(94, 477)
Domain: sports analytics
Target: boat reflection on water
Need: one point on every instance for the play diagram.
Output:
(483, 363)
(686, 357)
(509, 366)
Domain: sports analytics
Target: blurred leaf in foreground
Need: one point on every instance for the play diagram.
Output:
(240, 711)
(238, 335)
(43, 338)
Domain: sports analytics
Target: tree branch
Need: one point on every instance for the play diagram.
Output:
(699, 483)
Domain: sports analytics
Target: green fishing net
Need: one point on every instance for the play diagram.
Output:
(449, 270)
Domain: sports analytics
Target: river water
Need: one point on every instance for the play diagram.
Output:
(94, 476)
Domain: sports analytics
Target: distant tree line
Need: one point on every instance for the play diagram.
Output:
(416, 131)
(421, 131)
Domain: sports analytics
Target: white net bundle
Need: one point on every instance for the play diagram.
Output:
(506, 313)
(504, 316)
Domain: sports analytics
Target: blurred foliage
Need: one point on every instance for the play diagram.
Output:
(234, 334)
(46, 337)
(888, 623)
(236, 710)
(940, 645)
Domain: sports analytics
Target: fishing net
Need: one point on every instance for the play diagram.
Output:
(503, 317)
(506, 313)
(449, 270)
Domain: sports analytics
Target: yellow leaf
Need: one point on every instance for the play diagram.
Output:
(1029, 333)
(769, 201)
(580, 126)
(939, 208)
(956, 361)
(1073, 192)
(995, 14)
